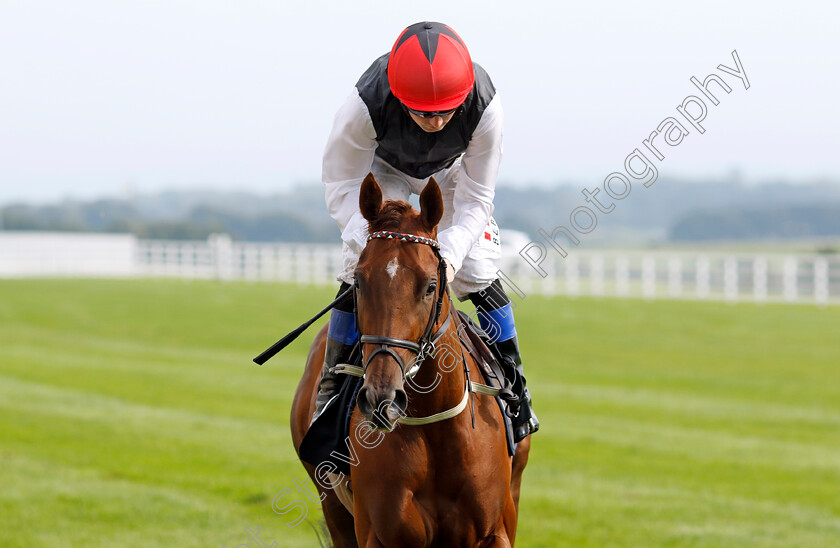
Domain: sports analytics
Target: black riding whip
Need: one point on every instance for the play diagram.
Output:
(285, 341)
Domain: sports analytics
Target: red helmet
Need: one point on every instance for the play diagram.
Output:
(429, 68)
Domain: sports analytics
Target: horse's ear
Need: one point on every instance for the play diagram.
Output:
(370, 198)
(431, 204)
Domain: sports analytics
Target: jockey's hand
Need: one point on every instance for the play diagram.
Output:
(450, 271)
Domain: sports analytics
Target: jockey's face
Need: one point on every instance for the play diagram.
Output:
(431, 125)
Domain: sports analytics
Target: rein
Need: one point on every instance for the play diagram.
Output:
(425, 346)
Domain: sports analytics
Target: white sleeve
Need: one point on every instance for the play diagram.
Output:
(476, 186)
(348, 157)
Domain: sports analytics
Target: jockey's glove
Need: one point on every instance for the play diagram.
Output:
(450, 271)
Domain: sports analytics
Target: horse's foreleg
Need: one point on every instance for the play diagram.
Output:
(373, 542)
(506, 532)
(498, 540)
(404, 527)
(518, 466)
(365, 535)
(339, 522)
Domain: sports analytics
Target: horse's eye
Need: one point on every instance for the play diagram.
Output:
(431, 289)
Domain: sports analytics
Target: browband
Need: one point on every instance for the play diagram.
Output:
(388, 235)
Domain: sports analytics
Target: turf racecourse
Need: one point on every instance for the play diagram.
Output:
(131, 415)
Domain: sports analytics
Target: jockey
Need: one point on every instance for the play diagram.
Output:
(425, 109)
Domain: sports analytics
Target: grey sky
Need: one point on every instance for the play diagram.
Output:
(100, 96)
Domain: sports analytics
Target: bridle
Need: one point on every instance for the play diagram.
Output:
(425, 346)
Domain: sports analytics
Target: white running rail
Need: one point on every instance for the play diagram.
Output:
(716, 275)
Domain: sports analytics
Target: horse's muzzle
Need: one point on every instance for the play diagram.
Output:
(383, 407)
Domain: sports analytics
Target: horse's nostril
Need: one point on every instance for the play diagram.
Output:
(394, 408)
(383, 407)
(400, 403)
(364, 403)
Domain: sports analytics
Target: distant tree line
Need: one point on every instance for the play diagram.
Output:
(672, 210)
(199, 223)
(756, 224)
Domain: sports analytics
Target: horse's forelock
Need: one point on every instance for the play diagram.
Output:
(392, 216)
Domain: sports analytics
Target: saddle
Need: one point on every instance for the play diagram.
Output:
(328, 438)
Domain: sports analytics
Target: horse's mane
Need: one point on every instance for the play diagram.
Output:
(391, 215)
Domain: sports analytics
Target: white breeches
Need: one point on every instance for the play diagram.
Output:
(481, 264)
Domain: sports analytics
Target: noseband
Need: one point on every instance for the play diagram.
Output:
(425, 346)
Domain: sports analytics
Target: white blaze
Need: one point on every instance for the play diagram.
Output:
(391, 269)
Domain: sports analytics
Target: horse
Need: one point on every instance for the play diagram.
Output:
(425, 472)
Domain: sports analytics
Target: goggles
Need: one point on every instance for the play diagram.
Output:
(432, 114)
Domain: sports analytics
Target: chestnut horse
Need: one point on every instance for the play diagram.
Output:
(449, 480)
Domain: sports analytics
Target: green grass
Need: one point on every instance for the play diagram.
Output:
(131, 415)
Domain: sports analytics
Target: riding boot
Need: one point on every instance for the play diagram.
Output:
(525, 421)
(495, 314)
(336, 353)
(341, 338)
